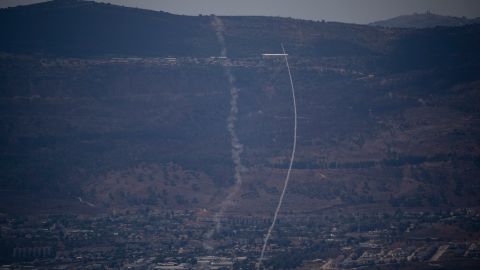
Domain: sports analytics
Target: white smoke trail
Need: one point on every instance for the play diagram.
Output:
(287, 178)
(237, 147)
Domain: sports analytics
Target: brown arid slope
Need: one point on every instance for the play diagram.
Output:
(385, 119)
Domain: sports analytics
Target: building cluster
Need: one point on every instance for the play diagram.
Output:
(192, 240)
(328, 65)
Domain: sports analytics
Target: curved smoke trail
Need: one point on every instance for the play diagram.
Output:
(287, 178)
(237, 147)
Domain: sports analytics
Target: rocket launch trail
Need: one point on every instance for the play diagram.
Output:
(292, 157)
(237, 147)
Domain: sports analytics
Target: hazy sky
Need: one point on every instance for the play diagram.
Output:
(356, 11)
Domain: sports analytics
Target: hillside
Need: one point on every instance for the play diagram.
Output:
(81, 28)
(127, 108)
(425, 20)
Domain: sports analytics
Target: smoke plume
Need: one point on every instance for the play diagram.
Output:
(237, 147)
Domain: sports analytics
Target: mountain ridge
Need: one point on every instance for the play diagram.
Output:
(425, 20)
(387, 116)
(70, 27)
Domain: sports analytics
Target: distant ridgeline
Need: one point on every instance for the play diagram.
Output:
(77, 28)
(425, 20)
